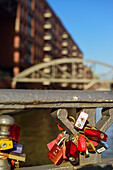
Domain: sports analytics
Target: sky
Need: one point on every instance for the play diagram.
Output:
(90, 23)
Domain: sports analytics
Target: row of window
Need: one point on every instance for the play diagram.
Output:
(29, 26)
(28, 53)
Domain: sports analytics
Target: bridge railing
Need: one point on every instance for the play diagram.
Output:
(73, 101)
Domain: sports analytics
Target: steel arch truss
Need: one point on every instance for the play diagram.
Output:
(65, 70)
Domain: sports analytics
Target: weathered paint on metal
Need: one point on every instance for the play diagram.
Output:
(20, 99)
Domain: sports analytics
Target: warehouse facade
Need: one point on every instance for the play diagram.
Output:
(31, 33)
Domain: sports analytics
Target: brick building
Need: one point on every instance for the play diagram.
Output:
(31, 33)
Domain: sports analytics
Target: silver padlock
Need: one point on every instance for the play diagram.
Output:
(102, 146)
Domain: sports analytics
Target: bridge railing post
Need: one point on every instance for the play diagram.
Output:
(5, 122)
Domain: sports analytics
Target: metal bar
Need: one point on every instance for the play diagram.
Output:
(106, 121)
(60, 117)
(93, 158)
(43, 74)
(55, 96)
(53, 71)
(73, 70)
(62, 80)
(91, 115)
(53, 105)
(21, 99)
(87, 86)
(67, 74)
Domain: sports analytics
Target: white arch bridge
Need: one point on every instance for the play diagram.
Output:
(75, 72)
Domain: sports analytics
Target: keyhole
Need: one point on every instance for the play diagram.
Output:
(3, 145)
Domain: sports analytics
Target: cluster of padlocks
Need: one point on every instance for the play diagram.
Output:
(10, 148)
(68, 146)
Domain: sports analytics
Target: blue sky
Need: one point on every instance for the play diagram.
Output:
(90, 23)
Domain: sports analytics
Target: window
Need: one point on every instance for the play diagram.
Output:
(29, 52)
(29, 3)
(16, 41)
(29, 30)
(29, 19)
(29, 24)
(29, 57)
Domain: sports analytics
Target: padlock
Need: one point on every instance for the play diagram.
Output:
(12, 162)
(19, 157)
(17, 148)
(64, 150)
(81, 120)
(95, 143)
(17, 165)
(86, 153)
(72, 119)
(102, 146)
(6, 144)
(96, 135)
(90, 147)
(72, 152)
(74, 139)
(15, 132)
(53, 142)
(81, 144)
(59, 127)
(55, 154)
(88, 126)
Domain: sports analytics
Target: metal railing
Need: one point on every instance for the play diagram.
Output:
(73, 101)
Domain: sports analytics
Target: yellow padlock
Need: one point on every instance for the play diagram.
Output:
(17, 164)
(6, 144)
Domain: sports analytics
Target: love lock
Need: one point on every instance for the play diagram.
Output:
(14, 132)
(56, 154)
(6, 144)
(82, 140)
(9, 147)
(72, 152)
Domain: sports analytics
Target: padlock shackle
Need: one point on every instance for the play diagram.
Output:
(61, 140)
(72, 118)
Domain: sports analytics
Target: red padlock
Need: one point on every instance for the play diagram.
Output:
(82, 144)
(72, 152)
(59, 127)
(12, 162)
(95, 143)
(96, 135)
(56, 154)
(53, 142)
(64, 150)
(15, 132)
